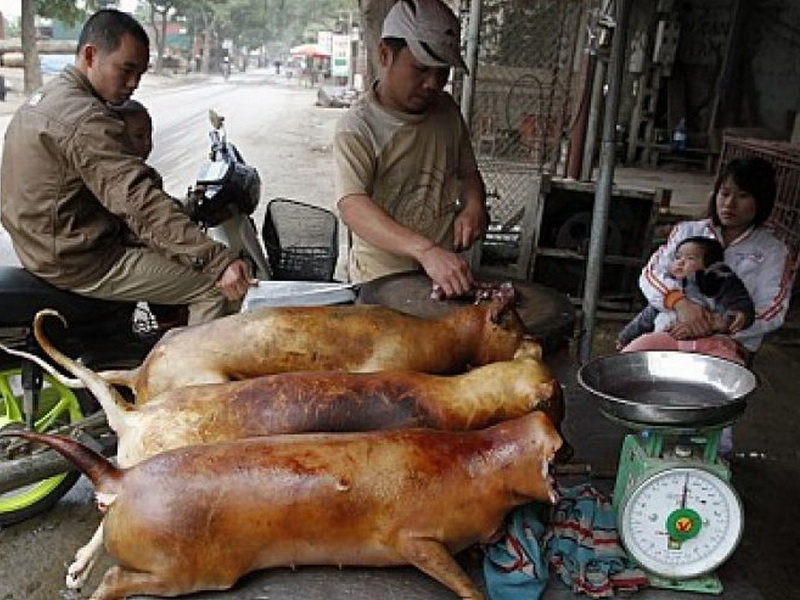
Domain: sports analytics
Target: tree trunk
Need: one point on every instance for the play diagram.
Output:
(33, 72)
(158, 39)
(372, 14)
(207, 32)
(163, 48)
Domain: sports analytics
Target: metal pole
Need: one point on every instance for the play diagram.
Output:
(605, 180)
(578, 134)
(594, 119)
(596, 47)
(473, 37)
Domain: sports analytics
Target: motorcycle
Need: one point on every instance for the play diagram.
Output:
(226, 194)
(101, 334)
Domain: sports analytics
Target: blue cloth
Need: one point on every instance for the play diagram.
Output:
(576, 540)
(514, 567)
(583, 547)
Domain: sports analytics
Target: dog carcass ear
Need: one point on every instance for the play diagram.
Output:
(528, 348)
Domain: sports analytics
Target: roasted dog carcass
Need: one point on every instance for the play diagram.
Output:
(347, 338)
(200, 517)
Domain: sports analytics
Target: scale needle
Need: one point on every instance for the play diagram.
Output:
(685, 491)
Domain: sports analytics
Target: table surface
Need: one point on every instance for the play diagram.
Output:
(547, 314)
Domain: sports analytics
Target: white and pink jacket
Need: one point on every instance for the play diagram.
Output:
(759, 259)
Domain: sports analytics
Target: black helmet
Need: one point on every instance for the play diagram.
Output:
(226, 184)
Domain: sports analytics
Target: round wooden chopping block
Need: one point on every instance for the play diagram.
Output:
(547, 314)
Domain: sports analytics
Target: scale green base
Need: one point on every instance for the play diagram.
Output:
(641, 454)
(710, 584)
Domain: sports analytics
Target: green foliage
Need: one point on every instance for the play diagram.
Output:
(248, 22)
(66, 11)
(251, 23)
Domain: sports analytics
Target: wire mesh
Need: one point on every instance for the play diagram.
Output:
(522, 105)
(524, 95)
(510, 187)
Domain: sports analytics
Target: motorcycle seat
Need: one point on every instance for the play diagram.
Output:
(22, 295)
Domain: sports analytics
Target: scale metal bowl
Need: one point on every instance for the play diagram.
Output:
(668, 388)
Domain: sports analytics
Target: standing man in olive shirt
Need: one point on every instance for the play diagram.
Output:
(72, 192)
(407, 183)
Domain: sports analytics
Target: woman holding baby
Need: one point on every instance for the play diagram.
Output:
(743, 198)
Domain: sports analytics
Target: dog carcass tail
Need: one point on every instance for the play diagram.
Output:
(46, 366)
(95, 466)
(109, 398)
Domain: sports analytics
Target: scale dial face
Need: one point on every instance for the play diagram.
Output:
(681, 522)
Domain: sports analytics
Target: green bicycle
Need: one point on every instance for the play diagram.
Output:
(57, 406)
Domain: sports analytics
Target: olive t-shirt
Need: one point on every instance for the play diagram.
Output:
(410, 165)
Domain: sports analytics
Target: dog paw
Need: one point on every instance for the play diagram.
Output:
(78, 571)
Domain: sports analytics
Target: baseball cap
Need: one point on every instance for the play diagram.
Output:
(430, 29)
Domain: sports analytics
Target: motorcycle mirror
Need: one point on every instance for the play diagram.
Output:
(217, 120)
(213, 173)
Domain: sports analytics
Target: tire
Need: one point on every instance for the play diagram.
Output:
(58, 406)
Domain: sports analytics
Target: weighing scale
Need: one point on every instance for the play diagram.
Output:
(678, 515)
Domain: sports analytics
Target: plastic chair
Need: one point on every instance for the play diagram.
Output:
(301, 240)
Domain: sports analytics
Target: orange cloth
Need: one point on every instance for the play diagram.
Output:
(672, 298)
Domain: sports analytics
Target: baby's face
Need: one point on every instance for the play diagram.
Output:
(139, 129)
(688, 259)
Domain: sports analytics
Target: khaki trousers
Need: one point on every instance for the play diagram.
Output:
(142, 275)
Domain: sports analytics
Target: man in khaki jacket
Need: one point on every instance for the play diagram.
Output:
(72, 192)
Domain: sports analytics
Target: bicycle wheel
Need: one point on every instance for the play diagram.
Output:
(58, 405)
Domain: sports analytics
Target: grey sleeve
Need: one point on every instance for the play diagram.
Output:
(642, 323)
